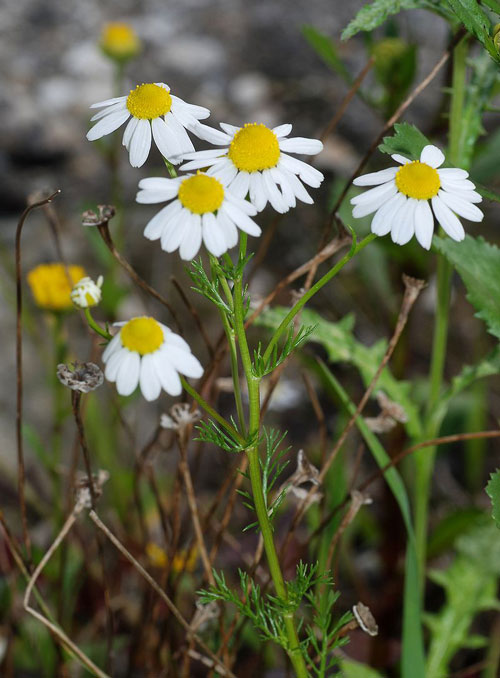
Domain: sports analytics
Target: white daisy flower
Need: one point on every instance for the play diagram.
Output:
(86, 292)
(154, 110)
(255, 161)
(148, 354)
(203, 208)
(401, 197)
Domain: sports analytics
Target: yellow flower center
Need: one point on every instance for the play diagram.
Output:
(201, 193)
(254, 147)
(418, 180)
(149, 101)
(119, 41)
(143, 335)
(51, 285)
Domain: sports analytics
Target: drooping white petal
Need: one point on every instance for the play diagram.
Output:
(295, 184)
(108, 102)
(213, 237)
(309, 175)
(383, 219)
(286, 188)
(240, 184)
(376, 178)
(129, 130)
(120, 106)
(448, 220)
(400, 158)
(173, 124)
(171, 338)
(173, 233)
(373, 193)
(241, 204)
(107, 125)
(226, 173)
(148, 378)
(462, 207)
(457, 185)
(273, 193)
(282, 130)
(198, 112)
(156, 226)
(432, 156)
(301, 145)
(424, 224)
(198, 164)
(228, 228)
(376, 200)
(242, 220)
(453, 173)
(185, 362)
(167, 375)
(114, 363)
(128, 374)
(213, 136)
(403, 225)
(140, 143)
(258, 196)
(113, 345)
(191, 241)
(166, 140)
(205, 155)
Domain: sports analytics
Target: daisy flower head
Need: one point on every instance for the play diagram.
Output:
(51, 285)
(201, 208)
(146, 353)
(152, 111)
(401, 197)
(254, 159)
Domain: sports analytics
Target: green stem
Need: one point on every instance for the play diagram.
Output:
(210, 410)
(97, 328)
(424, 459)
(355, 248)
(253, 383)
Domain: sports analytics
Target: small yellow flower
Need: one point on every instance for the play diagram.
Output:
(119, 41)
(51, 285)
(183, 561)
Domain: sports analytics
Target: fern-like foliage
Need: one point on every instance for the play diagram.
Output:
(293, 341)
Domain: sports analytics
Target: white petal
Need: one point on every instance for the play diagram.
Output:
(155, 227)
(376, 178)
(191, 241)
(198, 164)
(114, 363)
(128, 374)
(165, 140)
(453, 173)
(229, 129)
(168, 377)
(457, 185)
(242, 220)
(107, 125)
(373, 193)
(462, 207)
(174, 232)
(449, 221)
(108, 102)
(211, 135)
(400, 158)
(424, 224)
(258, 196)
(120, 106)
(382, 221)
(403, 225)
(240, 184)
(432, 156)
(157, 183)
(129, 130)
(113, 345)
(296, 185)
(242, 205)
(301, 145)
(148, 379)
(310, 176)
(171, 338)
(185, 362)
(286, 188)
(213, 236)
(140, 143)
(198, 112)
(273, 193)
(185, 143)
(282, 130)
(149, 197)
(226, 174)
(204, 155)
(228, 228)
(375, 201)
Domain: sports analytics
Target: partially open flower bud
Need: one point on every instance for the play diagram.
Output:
(119, 41)
(86, 292)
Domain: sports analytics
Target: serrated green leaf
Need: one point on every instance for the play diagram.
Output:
(476, 21)
(326, 50)
(372, 15)
(341, 346)
(493, 492)
(407, 140)
(478, 264)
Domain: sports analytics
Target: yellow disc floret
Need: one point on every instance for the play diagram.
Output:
(149, 101)
(143, 335)
(51, 285)
(418, 180)
(201, 193)
(119, 41)
(254, 147)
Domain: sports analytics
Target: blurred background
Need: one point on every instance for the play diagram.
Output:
(252, 61)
